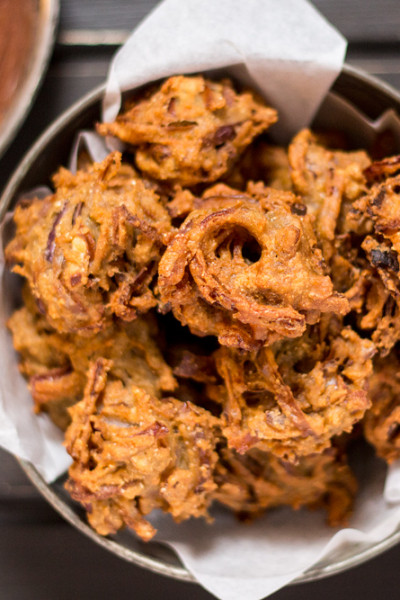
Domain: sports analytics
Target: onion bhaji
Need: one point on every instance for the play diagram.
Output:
(246, 271)
(56, 364)
(327, 181)
(134, 452)
(262, 162)
(191, 130)
(382, 420)
(90, 250)
(374, 219)
(292, 398)
(208, 322)
(256, 481)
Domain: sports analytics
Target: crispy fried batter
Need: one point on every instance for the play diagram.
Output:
(291, 399)
(191, 130)
(382, 420)
(90, 251)
(358, 203)
(327, 181)
(262, 162)
(246, 271)
(182, 201)
(254, 482)
(376, 216)
(133, 452)
(382, 169)
(349, 271)
(56, 364)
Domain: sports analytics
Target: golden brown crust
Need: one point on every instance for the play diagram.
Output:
(246, 270)
(291, 399)
(262, 162)
(375, 216)
(326, 180)
(254, 482)
(56, 364)
(382, 420)
(192, 129)
(133, 452)
(90, 251)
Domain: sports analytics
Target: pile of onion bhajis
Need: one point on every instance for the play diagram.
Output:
(209, 316)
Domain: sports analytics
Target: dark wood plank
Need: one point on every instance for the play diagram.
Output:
(364, 20)
(103, 14)
(50, 560)
(381, 61)
(358, 20)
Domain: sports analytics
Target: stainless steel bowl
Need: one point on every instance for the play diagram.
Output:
(370, 96)
(44, 23)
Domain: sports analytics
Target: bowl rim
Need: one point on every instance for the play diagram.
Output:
(47, 21)
(49, 492)
(180, 573)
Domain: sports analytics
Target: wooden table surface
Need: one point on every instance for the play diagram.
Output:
(41, 556)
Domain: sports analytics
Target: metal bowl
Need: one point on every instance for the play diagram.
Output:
(44, 23)
(371, 97)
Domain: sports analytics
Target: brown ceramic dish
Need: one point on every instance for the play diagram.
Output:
(27, 34)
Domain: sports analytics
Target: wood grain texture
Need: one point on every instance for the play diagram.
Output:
(359, 20)
(364, 21)
(104, 14)
(50, 560)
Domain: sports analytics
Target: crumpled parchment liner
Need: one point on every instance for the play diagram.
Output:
(29, 436)
(268, 45)
(285, 49)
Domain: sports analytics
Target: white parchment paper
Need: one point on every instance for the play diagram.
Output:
(283, 48)
(292, 55)
(29, 436)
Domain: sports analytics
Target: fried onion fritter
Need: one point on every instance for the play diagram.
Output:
(292, 398)
(56, 364)
(356, 205)
(326, 180)
(382, 420)
(90, 250)
(262, 162)
(191, 130)
(246, 270)
(257, 481)
(375, 216)
(133, 452)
